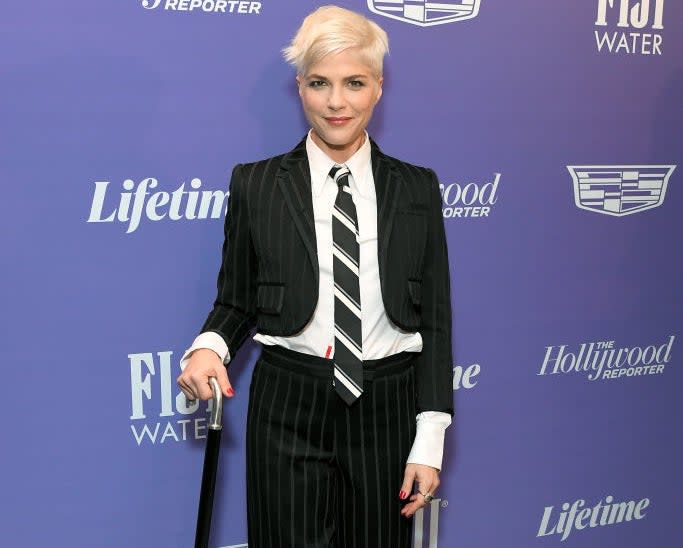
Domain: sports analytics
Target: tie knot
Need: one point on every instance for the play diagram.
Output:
(340, 175)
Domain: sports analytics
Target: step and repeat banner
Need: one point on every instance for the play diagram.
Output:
(555, 129)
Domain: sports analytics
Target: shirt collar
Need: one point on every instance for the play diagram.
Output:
(320, 165)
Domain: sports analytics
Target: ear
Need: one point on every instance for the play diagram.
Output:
(380, 81)
(298, 84)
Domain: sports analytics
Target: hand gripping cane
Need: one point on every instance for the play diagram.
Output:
(213, 446)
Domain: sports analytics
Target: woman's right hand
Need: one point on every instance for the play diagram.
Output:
(194, 380)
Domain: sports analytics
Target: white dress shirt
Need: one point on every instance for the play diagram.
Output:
(381, 337)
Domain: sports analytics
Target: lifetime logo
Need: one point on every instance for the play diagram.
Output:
(243, 7)
(137, 202)
(465, 377)
(631, 15)
(575, 517)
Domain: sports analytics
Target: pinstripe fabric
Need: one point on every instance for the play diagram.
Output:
(321, 473)
(269, 269)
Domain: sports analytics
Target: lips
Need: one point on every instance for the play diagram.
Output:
(337, 121)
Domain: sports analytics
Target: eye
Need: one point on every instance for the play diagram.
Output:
(356, 83)
(316, 83)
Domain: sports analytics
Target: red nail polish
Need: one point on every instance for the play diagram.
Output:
(402, 495)
(230, 391)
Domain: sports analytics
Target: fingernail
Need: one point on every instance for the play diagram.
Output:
(230, 392)
(402, 495)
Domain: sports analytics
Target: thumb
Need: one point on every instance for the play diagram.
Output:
(224, 382)
(407, 485)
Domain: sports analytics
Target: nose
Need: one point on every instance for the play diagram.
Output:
(335, 100)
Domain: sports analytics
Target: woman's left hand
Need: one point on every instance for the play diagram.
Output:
(427, 479)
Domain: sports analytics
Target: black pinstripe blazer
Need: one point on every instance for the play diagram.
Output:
(269, 271)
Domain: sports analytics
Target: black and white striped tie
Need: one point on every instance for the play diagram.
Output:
(348, 340)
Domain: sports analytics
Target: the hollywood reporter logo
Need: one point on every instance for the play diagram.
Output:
(634, 16)
(469, 199)
(244, 7)
(157, 415)
(605, 360)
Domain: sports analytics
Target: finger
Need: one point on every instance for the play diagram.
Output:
(427, 487)
(409, 509)
(196, 385)
(407, 485)
(427, 480)
(417, 502)
(224, 382)
(201, 385)
(186, 388)
(189, 396)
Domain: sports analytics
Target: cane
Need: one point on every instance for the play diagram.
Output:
(213, 446)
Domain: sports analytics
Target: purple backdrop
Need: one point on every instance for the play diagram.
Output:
(555, 129)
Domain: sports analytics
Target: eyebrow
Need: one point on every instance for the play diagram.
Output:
(320, 77)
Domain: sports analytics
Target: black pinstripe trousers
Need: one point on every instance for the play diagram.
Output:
(321, 474)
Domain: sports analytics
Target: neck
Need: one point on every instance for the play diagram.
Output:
(339, 153)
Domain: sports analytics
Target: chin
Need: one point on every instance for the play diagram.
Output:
(337, 140)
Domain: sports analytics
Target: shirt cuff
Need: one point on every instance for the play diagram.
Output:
(429, 438)
(212, 341)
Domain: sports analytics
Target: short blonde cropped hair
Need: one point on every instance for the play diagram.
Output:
(331, 29)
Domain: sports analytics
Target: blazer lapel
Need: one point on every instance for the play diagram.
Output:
(294, 179)
(387, 187)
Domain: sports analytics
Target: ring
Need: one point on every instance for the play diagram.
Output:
(428, 496)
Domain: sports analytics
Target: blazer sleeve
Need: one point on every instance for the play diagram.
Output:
(234, 310)
(434, 374)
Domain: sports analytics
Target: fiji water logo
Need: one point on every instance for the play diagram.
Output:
(620, 190)
(424, 13)
(243, 7)
(635, 18)
(159, 412)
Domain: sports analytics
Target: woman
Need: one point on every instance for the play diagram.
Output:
(336, 253)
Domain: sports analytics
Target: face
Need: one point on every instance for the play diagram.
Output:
(338, 94)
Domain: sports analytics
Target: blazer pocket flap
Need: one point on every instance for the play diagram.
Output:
(415, 292)
(269, 298)
(414, 208)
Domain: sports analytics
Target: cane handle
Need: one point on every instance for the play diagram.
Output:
(216, 422)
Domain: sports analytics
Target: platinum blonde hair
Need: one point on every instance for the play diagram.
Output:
(331, 29)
